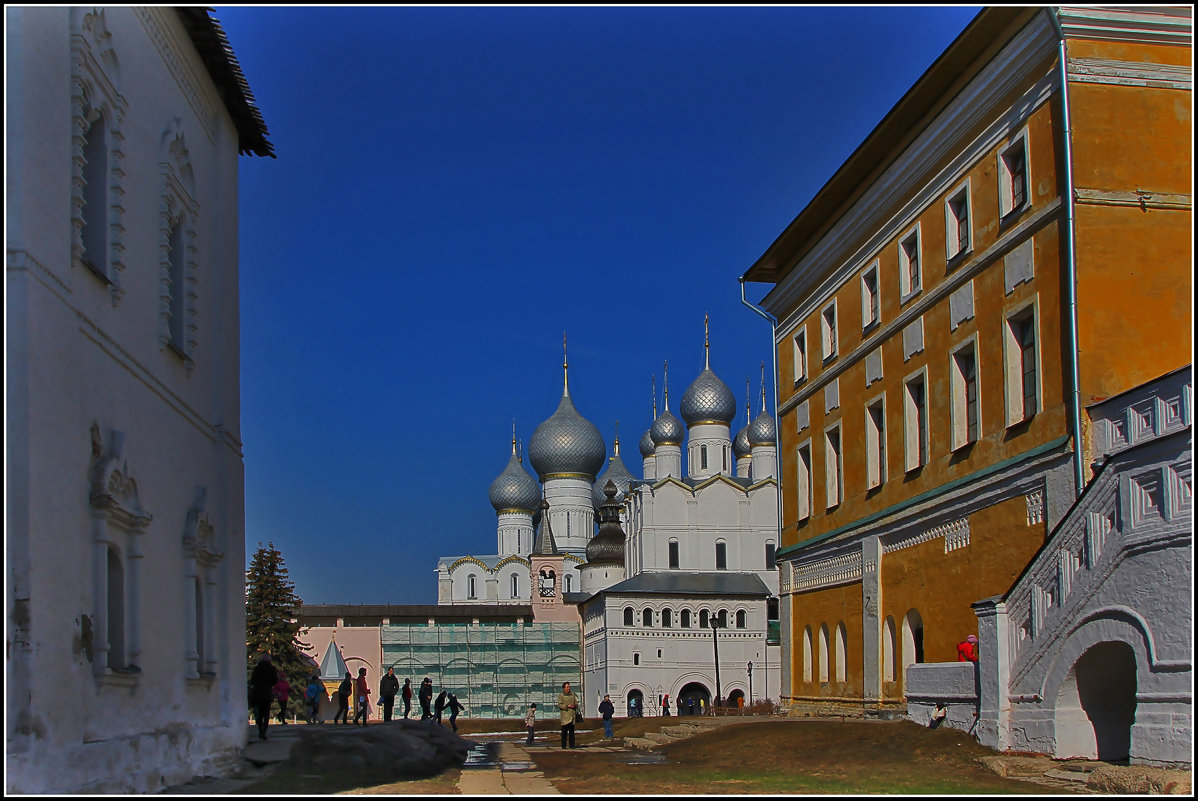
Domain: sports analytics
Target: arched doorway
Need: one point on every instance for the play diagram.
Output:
(693, 692)
(636, 709)
(1097, 704)
(736, 698)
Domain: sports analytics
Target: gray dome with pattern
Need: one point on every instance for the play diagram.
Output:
(740, 443)
(514, 488)
(667, 430)
(706, 400)
(646, 445)
(566, 443)
(762, 431)
(618, 474)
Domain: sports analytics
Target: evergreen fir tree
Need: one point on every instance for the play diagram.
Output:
(270, 624)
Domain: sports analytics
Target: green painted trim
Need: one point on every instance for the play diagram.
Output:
(898, 507)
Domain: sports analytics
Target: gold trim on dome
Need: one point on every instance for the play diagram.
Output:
(709, 423)
(514, 511)
(581, 476)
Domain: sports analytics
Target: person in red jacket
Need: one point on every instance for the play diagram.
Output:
(361, 693)
(968, 651)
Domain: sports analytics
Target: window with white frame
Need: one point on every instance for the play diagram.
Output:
(910, 264)
(95, 196)
(471, 587)
(647, 618)
(807, 660)
(684, 619)
(823, 653)
(803, 481)
(1013, 193)
(957, 232)
(875, 443)
(1022, 366)
(721, 555)
(870, 306)
(828, 324)
(702, 457)
(800, 355)
(841, 656)
(667, 618)
(515, 588)
(965, 410)
(628, 616)
(915, 420)
(833, 467)
(771, 561)
(672, 547)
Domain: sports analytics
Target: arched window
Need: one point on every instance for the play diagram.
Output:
(840, 655)
(823, 653)
(667, 618)
(647, 618)
(912, 638)
(471, 587)
(741, 619)
(702, 457)
(770, 550)
(515, 590)
(686, 619)
(569, 583)
(95, 196)
(889, 666)
(807, 654)
(723, 618)
(702, 618)
(673, 550)
(628, 616)
(721, 555)
(116, 611)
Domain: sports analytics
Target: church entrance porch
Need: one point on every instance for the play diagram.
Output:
(1096, 706)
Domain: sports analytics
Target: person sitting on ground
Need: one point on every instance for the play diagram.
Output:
(967, 651)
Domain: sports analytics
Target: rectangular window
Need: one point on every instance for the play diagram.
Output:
(177, 304)
(956, 224)
(721, 556)
(916, 420)
(875, 444)
(803, 482)
(909, 264)
(673, 555)
(869, 297)
(1013, 178)
(800, 355)
(965, 398)
(1022, 377)
(829, 330)
(833, 466)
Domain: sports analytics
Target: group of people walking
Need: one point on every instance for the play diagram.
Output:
(267, 684)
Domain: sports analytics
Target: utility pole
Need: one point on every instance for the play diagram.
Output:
(750, 670)
(714, 622)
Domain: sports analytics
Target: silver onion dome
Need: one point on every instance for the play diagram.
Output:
(566, 443)
(646, 445)
(514, 488)
(616, 473)
(762, 431)
(740, 443)
(707, 400)
(607, 547)
(667, 430)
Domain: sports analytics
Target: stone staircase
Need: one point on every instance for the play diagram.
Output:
(676, 733)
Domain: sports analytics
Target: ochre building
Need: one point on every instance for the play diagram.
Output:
(1010, 246)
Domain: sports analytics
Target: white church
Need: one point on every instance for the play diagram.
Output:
(680, 568)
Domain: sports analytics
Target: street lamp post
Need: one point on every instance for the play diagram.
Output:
(714, 622)
(749, 668)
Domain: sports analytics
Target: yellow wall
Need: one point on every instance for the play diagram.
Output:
(830, 606)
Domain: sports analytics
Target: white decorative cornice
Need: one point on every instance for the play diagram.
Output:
(165, 37)
(1130, 73)
(1129, 24)
(113, 490)
(841, 569)
(1035, 507)
(955, 534)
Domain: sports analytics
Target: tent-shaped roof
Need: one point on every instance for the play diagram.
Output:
(332, 667)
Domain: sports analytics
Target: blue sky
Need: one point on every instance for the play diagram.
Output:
(456, 188)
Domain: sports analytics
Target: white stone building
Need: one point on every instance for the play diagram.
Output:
(124, 540)
(699, 543)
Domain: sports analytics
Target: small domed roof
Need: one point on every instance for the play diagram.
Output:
(667, 430)
(646, 445)
(762, 431)
(514, 488)
(607, 547)
(707, 400)
(616, 473)
(566, 443)
(740, 443)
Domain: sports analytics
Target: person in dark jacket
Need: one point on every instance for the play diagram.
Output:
(388, 687)
(607, 709)
(407, 698)
(344, 691)
(439, 707)
(426, 698)
(262, 686)
(454, 709)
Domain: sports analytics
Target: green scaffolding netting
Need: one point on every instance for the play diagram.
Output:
(495, 669)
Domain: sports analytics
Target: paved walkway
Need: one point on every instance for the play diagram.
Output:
(516, 774)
